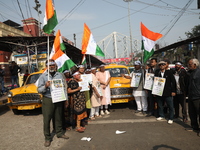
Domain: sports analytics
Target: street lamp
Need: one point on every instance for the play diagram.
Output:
(129, 24)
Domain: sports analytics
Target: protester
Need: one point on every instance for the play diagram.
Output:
(152, 106)
(194, 94)
(51, 111)
(14, 70)
(25, 76)
(181, 77)
(2, 73)
(67, 75)
(81, 70)
(104, 78)
(138, 92)
(168, 92)
(147, 66)
(96, 95)
(69, 117)
(167, 62)
(79, 101)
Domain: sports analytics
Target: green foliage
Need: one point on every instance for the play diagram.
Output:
(195, 32)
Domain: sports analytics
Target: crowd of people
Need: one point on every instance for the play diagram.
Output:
(84, 106)
(80, 106)
(181, 85)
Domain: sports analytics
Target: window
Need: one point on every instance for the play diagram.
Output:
(33, 78)
(116, 72)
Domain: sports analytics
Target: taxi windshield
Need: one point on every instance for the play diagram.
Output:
(33, 78)
(116, 72)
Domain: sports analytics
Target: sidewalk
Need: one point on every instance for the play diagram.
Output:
(3, 100)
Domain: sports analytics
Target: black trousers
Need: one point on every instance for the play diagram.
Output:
(194, 113)
(152, 104)
(180, 99)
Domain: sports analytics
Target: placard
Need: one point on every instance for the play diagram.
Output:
(58, 92)
(87, 77)
(135, 79)
(84, 86)
(148, 84)
(158, 86)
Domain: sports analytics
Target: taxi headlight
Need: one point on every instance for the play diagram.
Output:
(10, 94)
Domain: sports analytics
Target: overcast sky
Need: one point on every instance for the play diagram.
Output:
(106, 16)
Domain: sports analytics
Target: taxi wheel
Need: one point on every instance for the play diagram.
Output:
(16, 111)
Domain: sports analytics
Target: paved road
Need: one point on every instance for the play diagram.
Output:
(24, 132)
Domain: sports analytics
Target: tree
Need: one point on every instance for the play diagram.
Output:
(194, 33)
(195, 52)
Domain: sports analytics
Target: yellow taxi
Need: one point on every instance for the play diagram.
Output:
(25, 97)
(121, 91)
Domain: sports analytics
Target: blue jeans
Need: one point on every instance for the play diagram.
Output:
(15, 79)
(170, 105)
(2, 84)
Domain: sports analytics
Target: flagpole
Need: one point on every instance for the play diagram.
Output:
(89, 61)
(48, 55)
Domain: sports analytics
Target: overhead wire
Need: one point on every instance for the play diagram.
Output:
(176, 18)
(29, 8)
(117, 19)
(26, 8)
(156, 14)
(23, 17)
(71, 12)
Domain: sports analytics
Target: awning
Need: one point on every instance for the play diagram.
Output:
(11, 44)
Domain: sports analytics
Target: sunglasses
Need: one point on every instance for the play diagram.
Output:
(162, 64)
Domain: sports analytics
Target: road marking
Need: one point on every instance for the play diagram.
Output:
(124, 121)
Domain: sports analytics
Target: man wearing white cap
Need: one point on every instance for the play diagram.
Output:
(51, 111)
(181, 77)
(138, 92)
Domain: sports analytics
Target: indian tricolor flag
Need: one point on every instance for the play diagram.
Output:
(62, 60)
(50, 19)
(89, 46)
(148, 41)
(83, 60)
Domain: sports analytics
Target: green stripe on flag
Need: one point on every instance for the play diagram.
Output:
(62, 46)
(147, 54)
(99, 52)
(67, 65)
(51, 23)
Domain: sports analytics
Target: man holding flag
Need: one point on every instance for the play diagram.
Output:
(58, 61)
(51, 111)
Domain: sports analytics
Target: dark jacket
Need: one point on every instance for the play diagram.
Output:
(2, 73)
(194, 85)
(14, 70)
(183, 80)
(170, 83)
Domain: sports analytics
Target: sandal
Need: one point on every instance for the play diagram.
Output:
(83, 128)
(92, 118)
(80, 130)
(99, 116)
